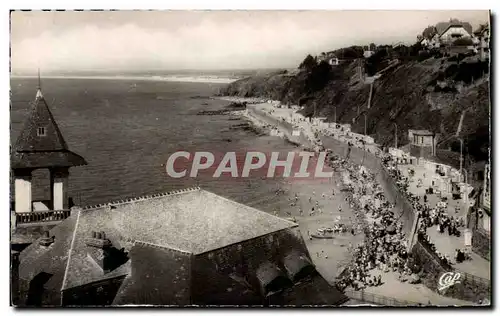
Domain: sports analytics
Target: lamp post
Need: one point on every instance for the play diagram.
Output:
(466, 187)
(461, 154)
(364, 152)
(396, 135)
(365, 123)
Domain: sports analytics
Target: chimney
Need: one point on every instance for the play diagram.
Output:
(98, 240)
(97, 251)
(46, 240)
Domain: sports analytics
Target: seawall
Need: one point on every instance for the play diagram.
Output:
(283, 126)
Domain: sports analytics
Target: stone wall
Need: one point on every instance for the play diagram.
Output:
(421, 151)
(470, 288)
(283, 126)
(481, 239)
(404, 210)
(481, 243)
(407, 215)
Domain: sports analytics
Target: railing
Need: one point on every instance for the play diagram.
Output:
(378, 299)
(42, 216)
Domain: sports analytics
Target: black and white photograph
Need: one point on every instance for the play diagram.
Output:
(250, 158)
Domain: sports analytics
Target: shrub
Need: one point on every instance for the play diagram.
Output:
(463, 42)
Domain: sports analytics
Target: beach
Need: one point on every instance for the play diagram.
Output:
(324, 195)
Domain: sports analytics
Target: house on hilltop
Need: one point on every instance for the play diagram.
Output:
(454, 32)
(445, 33)
(333, 60)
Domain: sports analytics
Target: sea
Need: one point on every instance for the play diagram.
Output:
(126, 129)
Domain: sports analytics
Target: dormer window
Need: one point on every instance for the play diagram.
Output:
(40, 131)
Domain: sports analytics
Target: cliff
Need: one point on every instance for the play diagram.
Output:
(418, 93)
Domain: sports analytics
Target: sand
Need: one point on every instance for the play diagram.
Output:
(329, 255)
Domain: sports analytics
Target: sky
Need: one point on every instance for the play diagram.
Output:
(206, 40)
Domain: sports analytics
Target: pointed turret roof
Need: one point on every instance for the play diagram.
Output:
(41, 143)
(40, 117)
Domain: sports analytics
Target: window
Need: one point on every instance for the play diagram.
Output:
(40, 131)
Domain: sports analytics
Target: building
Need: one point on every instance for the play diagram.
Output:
(180, 248)
(368, 53)
(40, 145)
(330, 58)
(422, 143)
(482, 36)
(453, 32)
(333, 61)
(486, 199)
(431, 42)
(424, 42)
(479, 219)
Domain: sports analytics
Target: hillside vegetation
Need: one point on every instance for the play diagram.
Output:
(427, 92)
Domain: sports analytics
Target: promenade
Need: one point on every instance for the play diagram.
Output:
(367, 153)
(419, 176)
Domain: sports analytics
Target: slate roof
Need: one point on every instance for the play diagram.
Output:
(422, 132)
(313, 292)
(176, 268)
(53, 259)
(50, 150)
(195, 221)
(442, 27)
(174, 226)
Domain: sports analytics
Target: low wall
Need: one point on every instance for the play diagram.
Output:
(481, 243)
(407, 214)
(481, 239)
(283, 126)
(380, 300)
(404, 210)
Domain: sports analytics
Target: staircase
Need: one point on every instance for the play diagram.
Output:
(370, 95)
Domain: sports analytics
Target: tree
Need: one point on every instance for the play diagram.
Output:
(352, 52)
(308, 64)
(429, 32)
(373, 47)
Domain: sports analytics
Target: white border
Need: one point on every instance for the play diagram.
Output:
(188, 4)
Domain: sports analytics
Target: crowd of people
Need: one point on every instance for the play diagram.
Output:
(429, 216)
(384, 246)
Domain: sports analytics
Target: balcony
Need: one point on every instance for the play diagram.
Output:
(41, 217)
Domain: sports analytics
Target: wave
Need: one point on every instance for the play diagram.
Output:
(201, 79)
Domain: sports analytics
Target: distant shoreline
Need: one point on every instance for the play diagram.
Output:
(194, 79)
